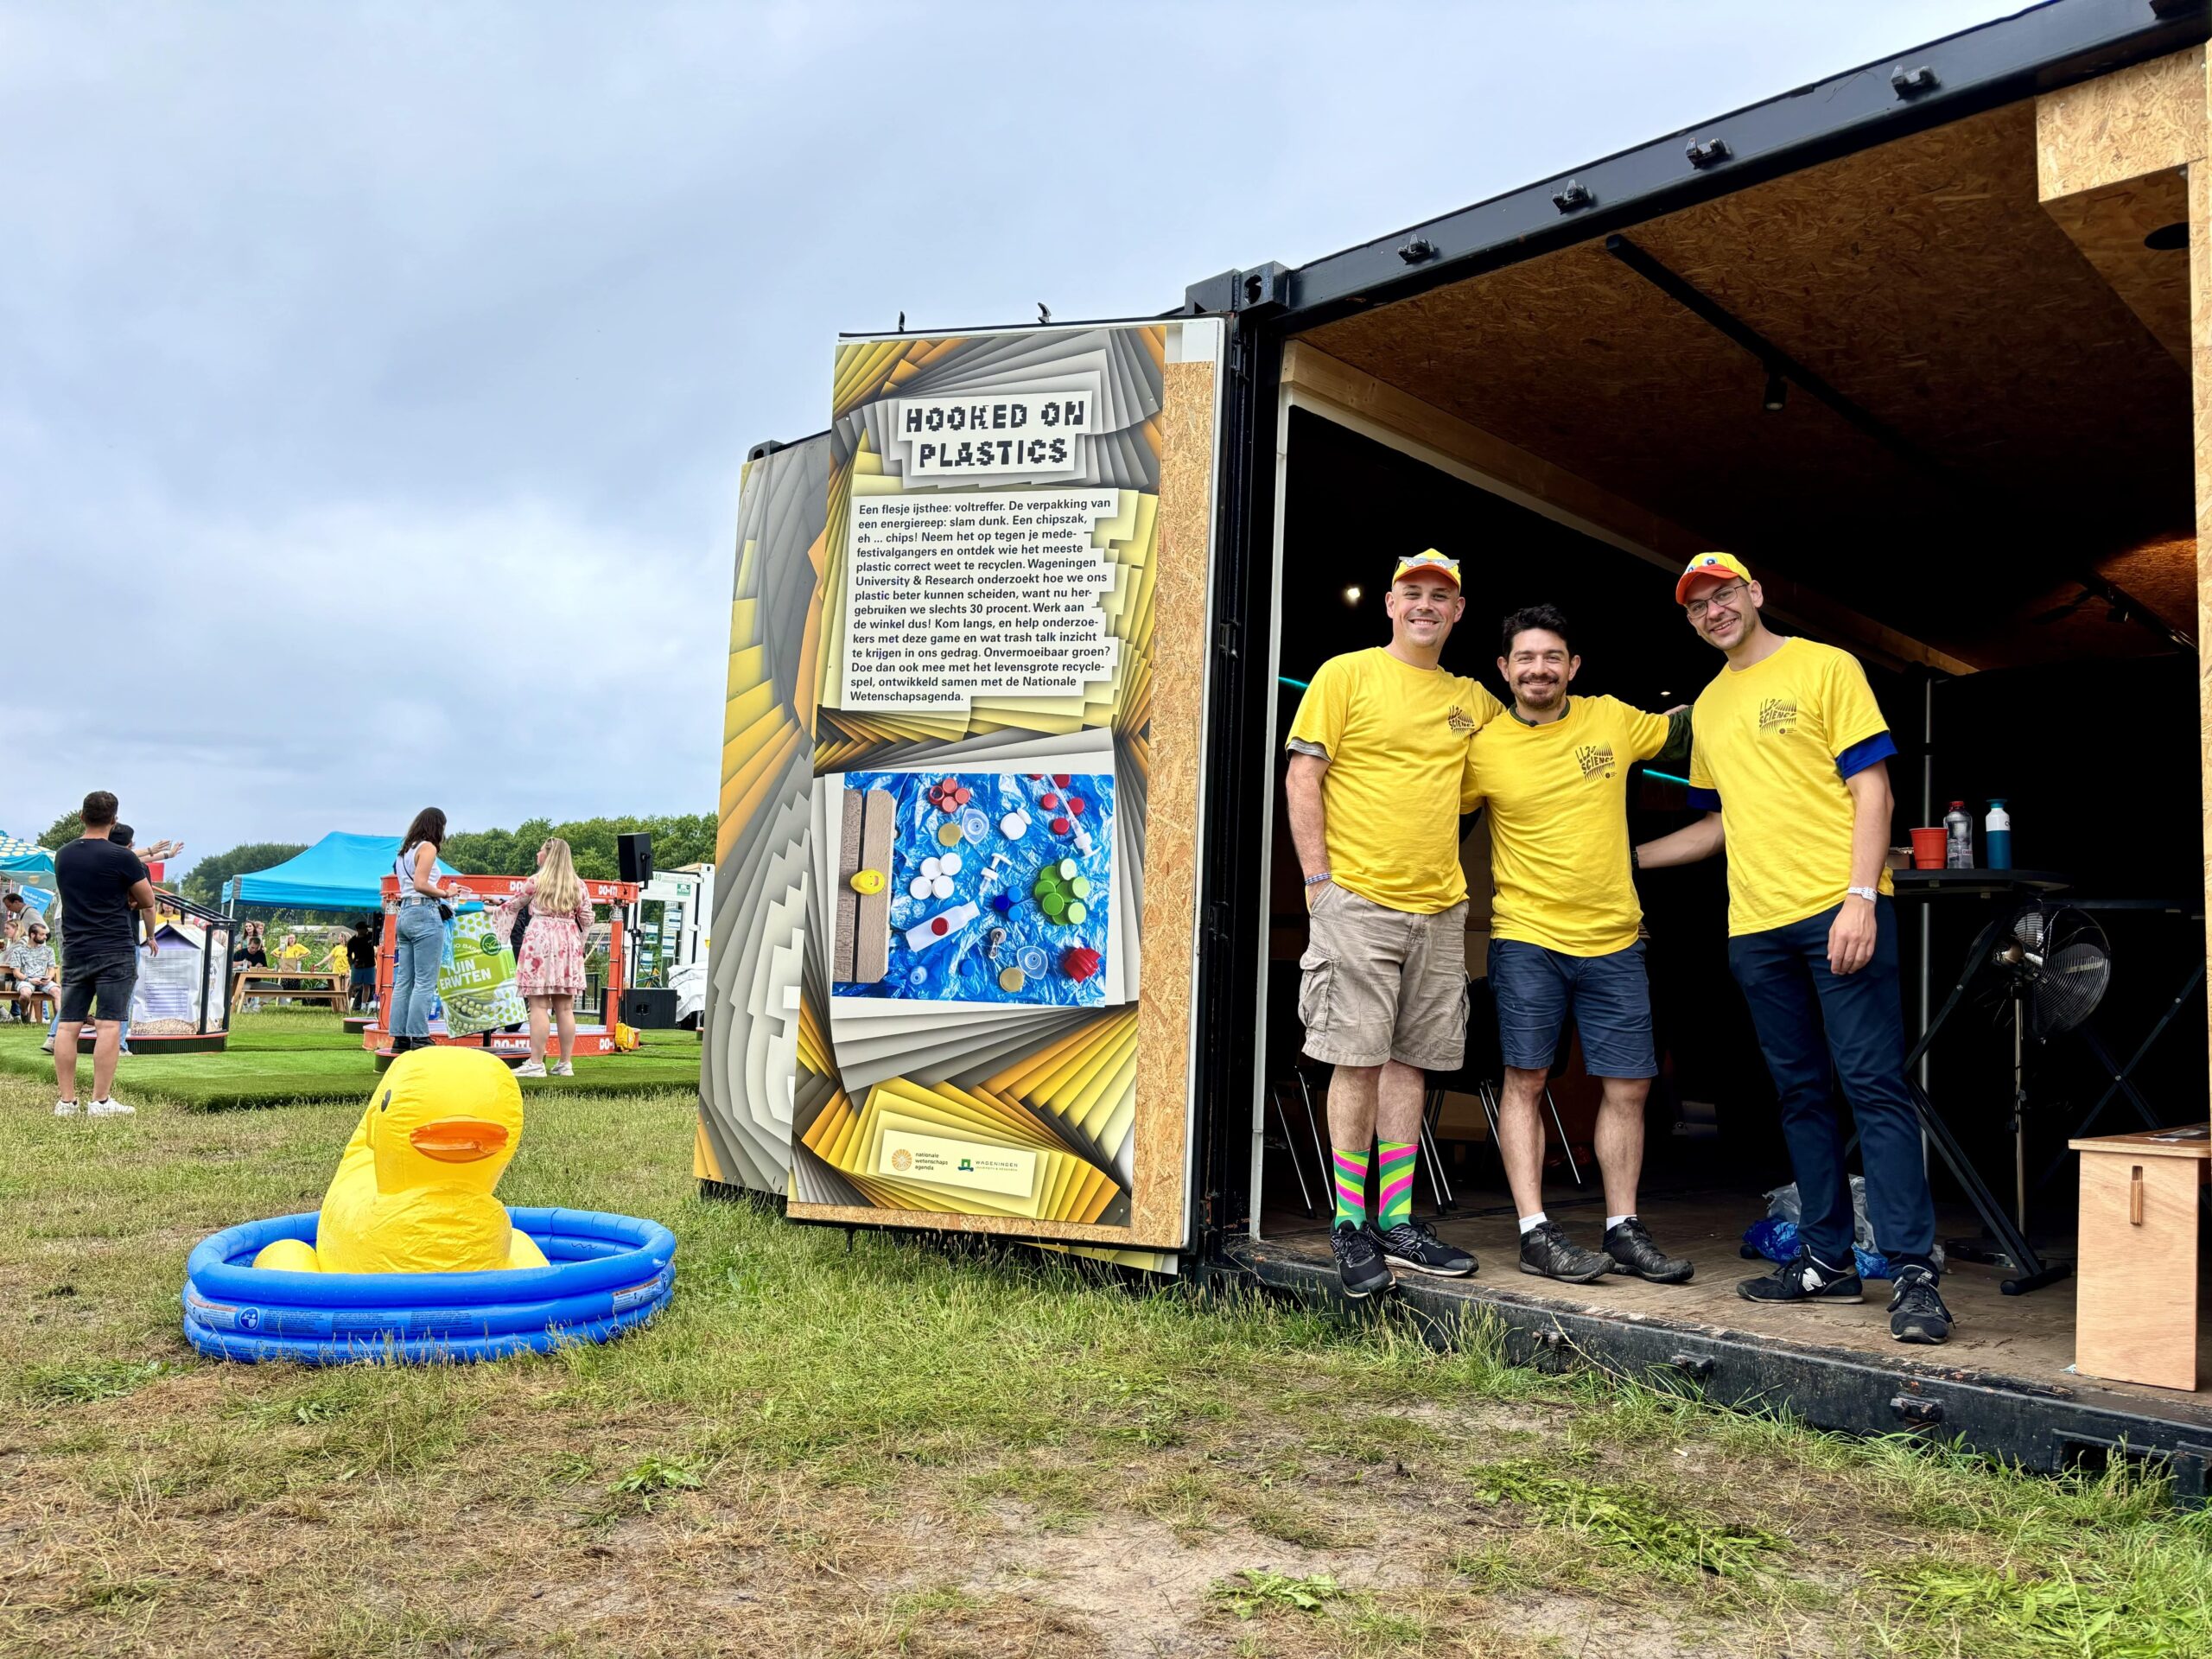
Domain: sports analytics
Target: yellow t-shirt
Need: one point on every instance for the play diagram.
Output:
(1396, 739)
(1766, 739)
(1558, 797)
(291, 953)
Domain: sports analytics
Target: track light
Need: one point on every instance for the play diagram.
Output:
(1351, 595)
(1778, 391)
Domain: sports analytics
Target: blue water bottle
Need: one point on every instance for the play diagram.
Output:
(1997, 835)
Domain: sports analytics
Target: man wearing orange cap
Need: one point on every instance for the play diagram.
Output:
(1789, 763)
(1377, 750)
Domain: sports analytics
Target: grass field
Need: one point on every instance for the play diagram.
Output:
(295, 1055)
(867, 1447)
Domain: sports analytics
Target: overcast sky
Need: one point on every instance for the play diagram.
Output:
(374, 381)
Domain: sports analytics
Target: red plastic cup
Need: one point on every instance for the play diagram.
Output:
(1928, 849)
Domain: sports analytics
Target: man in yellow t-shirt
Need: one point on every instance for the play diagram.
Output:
(1564, 930)
(1378, 749)
(1790, 765)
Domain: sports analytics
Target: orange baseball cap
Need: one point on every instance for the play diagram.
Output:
(1720, 565)
(1431, 561)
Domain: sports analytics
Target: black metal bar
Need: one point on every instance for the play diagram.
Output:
(2121, 1078)
(1770, 356)
(2033, 1272)
(2040, 48)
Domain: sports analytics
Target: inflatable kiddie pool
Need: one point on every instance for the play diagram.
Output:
(606, 1274)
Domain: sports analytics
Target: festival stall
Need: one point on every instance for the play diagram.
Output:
(341, 872)
(180, 1005)
(1926, 342)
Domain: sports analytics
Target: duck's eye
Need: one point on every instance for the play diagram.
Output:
(385, 1104)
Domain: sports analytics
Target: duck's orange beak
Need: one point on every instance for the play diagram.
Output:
(459, 1140)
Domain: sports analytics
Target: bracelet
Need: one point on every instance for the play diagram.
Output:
(1316, 880)
(1635, 858)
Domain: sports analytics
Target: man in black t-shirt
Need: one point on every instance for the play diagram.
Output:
(103, 893)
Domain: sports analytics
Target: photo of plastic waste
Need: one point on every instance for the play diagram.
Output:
(989, 888)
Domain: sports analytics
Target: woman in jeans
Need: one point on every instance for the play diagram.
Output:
(549, 973)
(422, 943)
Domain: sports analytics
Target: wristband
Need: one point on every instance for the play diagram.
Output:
(1870, 894)
(1316, 880)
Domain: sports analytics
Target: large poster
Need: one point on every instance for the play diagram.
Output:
(951, 965)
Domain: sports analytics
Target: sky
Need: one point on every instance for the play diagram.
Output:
(375, 380)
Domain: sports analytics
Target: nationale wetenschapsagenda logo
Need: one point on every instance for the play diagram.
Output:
(1460, 720)
(1595, 758)
(1778, 711)
(902, 1160)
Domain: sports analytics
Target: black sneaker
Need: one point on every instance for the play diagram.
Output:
(1801, 1279)
(1548, 1252)
(1630, 1245)
(1917, 1312)
(1414, 1244)
(1359, 1260)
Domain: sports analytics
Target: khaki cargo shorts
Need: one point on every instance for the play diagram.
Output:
(1380, 984)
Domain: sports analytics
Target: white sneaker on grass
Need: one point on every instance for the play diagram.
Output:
(65, 1109)
(109, 1109)
(564, 1069)
(530, 1068)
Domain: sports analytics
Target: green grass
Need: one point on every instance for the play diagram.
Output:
(296, 1056)
(849, 1447)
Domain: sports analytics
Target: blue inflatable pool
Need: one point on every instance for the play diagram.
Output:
(607, 1273)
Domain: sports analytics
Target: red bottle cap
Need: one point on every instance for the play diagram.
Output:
(1076, 804)
(939, 926)
(1049, 801)
(1062, 779)
(1060, 826)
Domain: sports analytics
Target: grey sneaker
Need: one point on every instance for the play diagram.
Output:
(1548, 1252)
(1630, 1245)
(564, 1068)
(1414, 1244)
(1359, 1262)
(1917, 1312)
(1802, 1279)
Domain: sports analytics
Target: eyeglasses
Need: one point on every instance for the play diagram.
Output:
(1696, 608)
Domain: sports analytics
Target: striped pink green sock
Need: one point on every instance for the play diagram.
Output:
(1351, 1187)
(1397, 1177)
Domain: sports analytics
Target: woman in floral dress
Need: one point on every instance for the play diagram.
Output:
(551, 973)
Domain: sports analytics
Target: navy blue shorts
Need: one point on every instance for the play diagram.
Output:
(1609, 997)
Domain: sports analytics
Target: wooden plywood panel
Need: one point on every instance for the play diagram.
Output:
(1923, 278)
(2136, 1310)
(1171, 869)
(2110, 225)
(2142, 120)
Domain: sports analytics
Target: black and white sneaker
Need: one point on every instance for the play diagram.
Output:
(1802, 1279)
(1548, 1252)
(1917, 1312)
(1630, 1245)
(1414, 1244)
(1359, 1260)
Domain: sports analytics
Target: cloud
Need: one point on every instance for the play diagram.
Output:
(374, 381)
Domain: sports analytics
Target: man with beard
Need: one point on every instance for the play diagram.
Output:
(1791, 764)
(1378, 749)
(1564, 930)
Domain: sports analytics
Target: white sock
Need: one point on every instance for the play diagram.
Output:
(1612, 1221)
(1530, 1223)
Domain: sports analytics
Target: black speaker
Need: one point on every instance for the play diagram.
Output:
(633, 857)
(649, 1010)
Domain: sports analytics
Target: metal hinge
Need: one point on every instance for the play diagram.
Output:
(1919, 1413)
(1225, 639)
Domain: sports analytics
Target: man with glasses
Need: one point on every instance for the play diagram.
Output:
(1790, 766)
(1377, 751)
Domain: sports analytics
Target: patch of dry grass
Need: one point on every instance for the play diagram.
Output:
(880, 1447)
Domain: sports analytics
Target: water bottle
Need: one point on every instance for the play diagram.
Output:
(1958, 838)
(1998, 827)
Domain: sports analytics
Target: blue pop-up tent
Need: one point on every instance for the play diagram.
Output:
(339, 872)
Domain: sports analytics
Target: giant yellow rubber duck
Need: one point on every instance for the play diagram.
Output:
(413, 1191)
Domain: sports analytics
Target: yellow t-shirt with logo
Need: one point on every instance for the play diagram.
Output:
(1396, 739)
(1558, 797)
(1766, 739)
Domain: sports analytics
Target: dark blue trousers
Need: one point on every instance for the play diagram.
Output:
(1815, 1026)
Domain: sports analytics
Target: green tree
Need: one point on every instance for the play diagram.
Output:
(680, 838)
(67, 828)
(204, 880)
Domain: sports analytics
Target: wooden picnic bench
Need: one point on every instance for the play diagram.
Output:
(290, 984)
